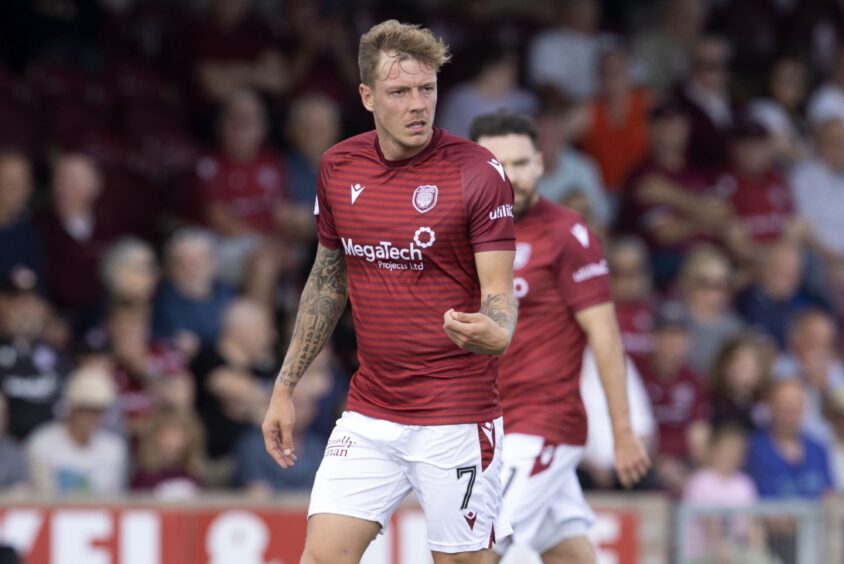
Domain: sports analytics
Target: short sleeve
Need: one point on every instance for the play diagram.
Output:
(488, 198)
(582, 271)
(326, 231)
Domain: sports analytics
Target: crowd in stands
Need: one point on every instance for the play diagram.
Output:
(158, 166)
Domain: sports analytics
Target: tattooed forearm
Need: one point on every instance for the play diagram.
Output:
(503, 309)
(320, 306)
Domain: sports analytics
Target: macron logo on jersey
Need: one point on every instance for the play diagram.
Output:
(591, 270)
(501, 211)
(357, 190)
(497, 166)
(581, 234)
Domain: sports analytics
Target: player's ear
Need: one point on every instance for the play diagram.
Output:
(367, 97)
(540, 162)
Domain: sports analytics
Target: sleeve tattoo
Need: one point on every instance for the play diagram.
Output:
(503, 309)
(323, 301)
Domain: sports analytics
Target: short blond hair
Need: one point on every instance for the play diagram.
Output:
(404, 41)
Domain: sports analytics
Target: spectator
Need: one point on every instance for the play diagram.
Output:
(234, 376)
(834, 412)
(813, 360)
(494, 86)
(817, 186)
(664, 51)
(129, 270)
(782, 111)
(32, 371)
(243, 194)
(74, 455)
(170, 455)
(679, 401)
(705, 99)
(74, 238)
(757, 193)
(782, 460)
(19, 242)
(599, 451)
(827, 102)
(617, 133)
(313, 126)
(190, 302)
(568, 172)
(12, 463)
(738, 381)
(579, 38)
(233, 49)
(630, 284)
(668, 201)
(705, 284)
(776, 294)
(257, 471)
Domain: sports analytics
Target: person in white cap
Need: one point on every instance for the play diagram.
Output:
(75, 455)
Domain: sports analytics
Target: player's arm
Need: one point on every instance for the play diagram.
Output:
(601, 328)
(490, 330)
(323, 301)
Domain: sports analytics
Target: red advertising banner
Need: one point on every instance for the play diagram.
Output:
(170, 534)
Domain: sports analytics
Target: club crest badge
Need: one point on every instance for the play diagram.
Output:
(425, 198)
(523, 251)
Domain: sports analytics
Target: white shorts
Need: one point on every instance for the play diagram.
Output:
(370, 465)
(543, 500)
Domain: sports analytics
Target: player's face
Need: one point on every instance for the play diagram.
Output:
(522, 163)
(402, 100)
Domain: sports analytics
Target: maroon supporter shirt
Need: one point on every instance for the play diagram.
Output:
(763, 205)
(409, 230)
(636, 323)
(559, 270)
(676, 402)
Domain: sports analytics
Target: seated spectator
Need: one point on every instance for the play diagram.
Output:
(12, 464)
(678, 398)
(827, 102)
(232, 49)
(599, 451)
(813, 360)
(617, 132)
(705, 100)
(782, 460)
(738, 380)
(170, 455)
(833, 409)
(665, 49)
(494, 86)
(257, 471)
(75, 455)
(32, 372)
(669, 202)
(817, 185)
(19, 242)
(759, 196)
(776, 294)
(568, 172)
(781, 111)
(313, 126)
(74, 238)
(579, 37)
(190, 301)
(234, 376)
(705, 286)
(129, 270)
(243, 195)
(632, 294)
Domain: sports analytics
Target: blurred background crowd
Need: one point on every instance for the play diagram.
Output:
(157, 177)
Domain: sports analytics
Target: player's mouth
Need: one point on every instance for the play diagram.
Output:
(417, 126)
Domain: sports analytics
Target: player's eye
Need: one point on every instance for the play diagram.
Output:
(427, 88)
(397, 92)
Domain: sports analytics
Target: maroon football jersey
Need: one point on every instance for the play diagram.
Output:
(636, 323)
(559, 270)
(763, 205)
(409, 230)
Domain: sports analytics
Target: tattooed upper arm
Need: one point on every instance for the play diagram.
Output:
(323, 301)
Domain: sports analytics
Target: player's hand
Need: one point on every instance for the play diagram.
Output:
(631, 459)
(278, 427)
(475, 332)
